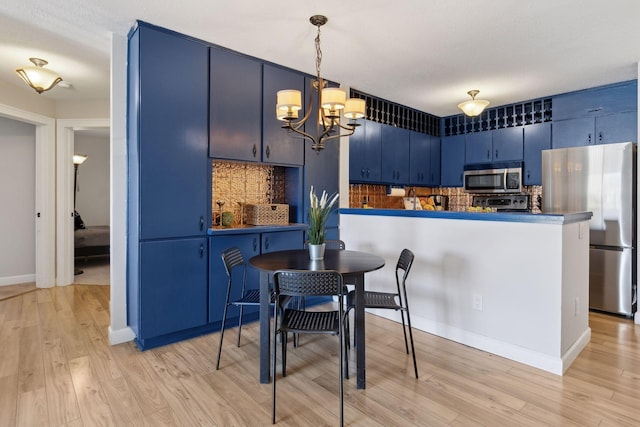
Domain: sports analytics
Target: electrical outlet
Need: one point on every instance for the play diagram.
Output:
(577, 306)
(477, 302)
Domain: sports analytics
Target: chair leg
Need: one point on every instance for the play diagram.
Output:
(273, 362)
(224, 319)
(340, 338)
(413, 349)
(240, 325)
(284, 337)
(345, 326)
(406, 345)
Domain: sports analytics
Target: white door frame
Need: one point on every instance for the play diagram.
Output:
(64, 191)
(45, 191)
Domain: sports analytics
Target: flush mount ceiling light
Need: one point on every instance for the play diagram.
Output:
(475, 106)
(38, 77)
(328, 102)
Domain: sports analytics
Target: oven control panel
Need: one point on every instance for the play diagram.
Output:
(506, 203)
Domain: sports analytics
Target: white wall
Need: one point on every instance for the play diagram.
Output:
(92, 196)
(17, 192)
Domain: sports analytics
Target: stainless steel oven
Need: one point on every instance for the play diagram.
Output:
(493, 178)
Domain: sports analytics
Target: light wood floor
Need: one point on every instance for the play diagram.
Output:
(57, 369)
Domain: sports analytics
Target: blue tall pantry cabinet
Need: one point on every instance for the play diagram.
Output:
(169, 184)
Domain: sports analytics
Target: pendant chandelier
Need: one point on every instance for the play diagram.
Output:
(39, 78)
(328, 102)
(475, 106)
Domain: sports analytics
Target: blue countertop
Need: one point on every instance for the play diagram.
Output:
(248, 229)
(543, 218)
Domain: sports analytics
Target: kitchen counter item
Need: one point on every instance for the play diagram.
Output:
(409, 203)
(267, 214)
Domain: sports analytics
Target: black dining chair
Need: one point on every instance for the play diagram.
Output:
(388, 301)
(232, 259)
(303, 283)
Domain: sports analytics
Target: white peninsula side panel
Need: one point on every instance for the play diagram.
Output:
(529, 281)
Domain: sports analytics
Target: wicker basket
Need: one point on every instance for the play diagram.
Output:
(265, 214)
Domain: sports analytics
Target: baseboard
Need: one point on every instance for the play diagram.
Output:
(555, 365)
(573, 352)
(121, 335)
(16, 280)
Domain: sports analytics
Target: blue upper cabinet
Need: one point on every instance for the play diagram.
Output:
(453, 161)
(537, 137)
(395, 155)
(424, 159)
(278, 146)
(507, 144)
(612, 128)
(365, 153)
(479, 147)
(235, 106)
(599, 101)
(168, 151)
(499, 145)
(601, 115)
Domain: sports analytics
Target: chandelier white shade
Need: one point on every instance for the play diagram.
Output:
(39, 78)
(474, 107)
(328, 103)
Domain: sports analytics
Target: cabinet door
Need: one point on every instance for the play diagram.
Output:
(373, 151)
(249, 245)
(173, 286)
(420, 158)
(172, 167)
(282, 240)
(395, 155)
(277, 145)
(622, 127)
(434, 163)
(507, 144)
(603, 100)
(537, 137)
(235, 105)
(453, 160)
(478, 148)
(365, 147)
(573, 133)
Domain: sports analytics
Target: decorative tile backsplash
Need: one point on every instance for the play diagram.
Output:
(237, 183)
(459, 200)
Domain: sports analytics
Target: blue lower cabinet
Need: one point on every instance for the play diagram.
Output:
(173, 290)
(249, 245)
(282, 241)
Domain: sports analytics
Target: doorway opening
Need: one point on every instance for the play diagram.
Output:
(89, 192)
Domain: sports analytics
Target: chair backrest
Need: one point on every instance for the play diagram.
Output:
(232, 258)
(307, 283)
(405, 261)
(330, 244)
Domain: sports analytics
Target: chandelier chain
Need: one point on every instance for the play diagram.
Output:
(318, 54)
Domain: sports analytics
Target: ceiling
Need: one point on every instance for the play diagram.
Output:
(424, 54)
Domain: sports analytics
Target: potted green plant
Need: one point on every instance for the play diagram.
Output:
(319, 210)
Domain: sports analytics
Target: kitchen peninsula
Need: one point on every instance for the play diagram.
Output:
(511, 284)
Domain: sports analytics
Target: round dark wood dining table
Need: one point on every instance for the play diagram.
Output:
(351, 264)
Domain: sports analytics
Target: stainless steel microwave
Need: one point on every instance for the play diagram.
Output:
(493, 178)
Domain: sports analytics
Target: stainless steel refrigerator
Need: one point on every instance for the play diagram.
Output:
(600, 179)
